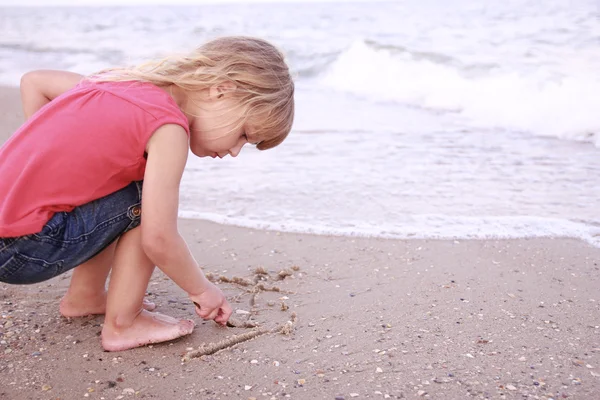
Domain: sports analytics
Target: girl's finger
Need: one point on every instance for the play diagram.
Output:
(213, 314)
(220, 318)
(200, 311)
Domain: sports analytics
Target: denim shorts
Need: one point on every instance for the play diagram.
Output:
(70, 239)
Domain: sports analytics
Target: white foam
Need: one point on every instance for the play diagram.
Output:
(535, 101)
(428, 226)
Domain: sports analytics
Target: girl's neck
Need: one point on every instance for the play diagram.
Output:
(178, 94)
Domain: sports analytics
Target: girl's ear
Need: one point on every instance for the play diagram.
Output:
(220, 90)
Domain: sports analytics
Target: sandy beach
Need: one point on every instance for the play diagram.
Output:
(368, 318)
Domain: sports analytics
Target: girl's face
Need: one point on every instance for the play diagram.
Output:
(215, 125)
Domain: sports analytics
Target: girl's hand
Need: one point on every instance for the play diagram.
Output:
(212, 304)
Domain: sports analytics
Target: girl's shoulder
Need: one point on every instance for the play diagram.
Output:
(143, 95)
(127, 89)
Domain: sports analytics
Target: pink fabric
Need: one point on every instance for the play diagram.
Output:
(83, 145)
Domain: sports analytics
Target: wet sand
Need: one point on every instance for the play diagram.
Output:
(373, 318)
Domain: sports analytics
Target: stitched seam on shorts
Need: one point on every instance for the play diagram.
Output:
(8, 272)
(20, 260)
(41, 261)
(82, 238)
(103, 224)
(13, 241)
(6, 246)
(139, 187)
(134, 224)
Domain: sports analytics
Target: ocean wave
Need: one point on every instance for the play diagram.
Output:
(35, 48)
(438, 58)
(104, 54)
(430, 226)
(313, 64)
(540, 101)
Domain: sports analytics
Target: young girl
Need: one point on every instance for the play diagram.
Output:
(91, 180)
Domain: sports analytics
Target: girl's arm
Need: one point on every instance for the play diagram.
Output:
(38, 88)
(167, 155)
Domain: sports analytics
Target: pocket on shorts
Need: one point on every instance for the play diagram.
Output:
(54, 229)
(20, 269)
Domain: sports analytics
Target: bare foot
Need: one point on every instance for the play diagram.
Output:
(147, 327)
(80, 306)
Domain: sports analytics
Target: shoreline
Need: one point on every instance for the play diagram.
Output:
(374, 319)
(511, 227)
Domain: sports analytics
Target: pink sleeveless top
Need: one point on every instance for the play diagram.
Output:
(83, 145)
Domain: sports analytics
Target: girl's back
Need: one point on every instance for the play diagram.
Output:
(83, 145)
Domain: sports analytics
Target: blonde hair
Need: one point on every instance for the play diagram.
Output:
(256, 67)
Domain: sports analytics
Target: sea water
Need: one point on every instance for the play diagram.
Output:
(416, 118)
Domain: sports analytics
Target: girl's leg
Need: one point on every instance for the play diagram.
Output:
(127, 324)
(87, 292)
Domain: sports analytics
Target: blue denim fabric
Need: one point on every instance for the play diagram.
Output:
(70, 239)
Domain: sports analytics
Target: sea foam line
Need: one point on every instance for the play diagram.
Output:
(430, 226)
